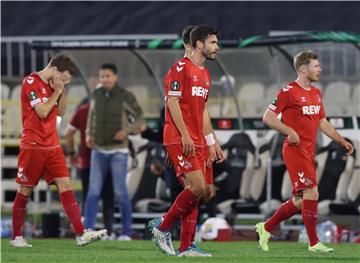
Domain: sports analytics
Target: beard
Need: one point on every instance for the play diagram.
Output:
(208, 55)
(313, 78)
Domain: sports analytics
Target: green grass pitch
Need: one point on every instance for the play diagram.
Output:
(65, 250)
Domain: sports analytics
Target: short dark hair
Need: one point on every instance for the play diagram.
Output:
(186, 34)
(304, 58)
(63, 62)
(109, 66)
(201, 33)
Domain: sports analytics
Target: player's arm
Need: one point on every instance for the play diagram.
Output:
(133, 108)
(215, 150)
(90, 141)
(271, 120)
(57, 84)
(176, 115)
(62, 103)
(43, 110)
(70, 144)
(61, 107)
(330, 131)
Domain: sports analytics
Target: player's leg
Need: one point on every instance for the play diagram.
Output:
(188, 247)
(189, 220)
(31, 163)
(69, 203)
(290, 207)
(119, 173)
(18, 216)
(310, 215)
(285, 211)
(186, 201)
(57, 172)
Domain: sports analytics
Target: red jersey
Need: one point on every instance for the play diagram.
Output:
(79, 122)
(301, 110)
(191, 84)
(37, 132)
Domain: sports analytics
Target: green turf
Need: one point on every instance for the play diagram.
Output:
(64, 250)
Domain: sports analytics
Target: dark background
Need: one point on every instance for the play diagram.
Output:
(234, 19)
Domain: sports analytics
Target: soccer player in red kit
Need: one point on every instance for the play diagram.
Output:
(189, 221)
(43, 98)
(188, 134)
(302, 114)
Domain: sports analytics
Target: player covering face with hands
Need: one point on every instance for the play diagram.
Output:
(43, 98)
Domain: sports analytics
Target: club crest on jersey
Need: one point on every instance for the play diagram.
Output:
(33, 95)
(175, 85)
(311, 109)
(195, 78)
(303, 99)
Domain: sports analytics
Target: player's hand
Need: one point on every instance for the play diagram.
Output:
(188, 145)
(75, 160)
(57, 83)
(90, 142)
(219, 153)
(66, 78)
(212, 155)
(347, 146)
(168, 162)
(120, 135)
(293, 138)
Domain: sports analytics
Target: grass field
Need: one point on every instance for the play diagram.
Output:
(64, 250)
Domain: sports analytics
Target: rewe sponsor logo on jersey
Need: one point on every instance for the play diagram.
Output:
(311, 109)
(199, 92)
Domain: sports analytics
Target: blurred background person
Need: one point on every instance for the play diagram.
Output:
(81, 161)
(107, 133)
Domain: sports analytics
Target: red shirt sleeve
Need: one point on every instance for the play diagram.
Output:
(175, 83)
(75, 120)
(281, 102)
(31, 92)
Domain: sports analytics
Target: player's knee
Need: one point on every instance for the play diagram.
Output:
(198, 189)
(63, 185)
(25, 190)
(311, 194)
(298, 202)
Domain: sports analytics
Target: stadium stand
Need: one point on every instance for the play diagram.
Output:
(336, 96)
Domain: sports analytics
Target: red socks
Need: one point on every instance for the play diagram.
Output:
(71, 209)
(184, 203)
(19, 214)
(188, 229)
(309, 214)
(286, 210)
